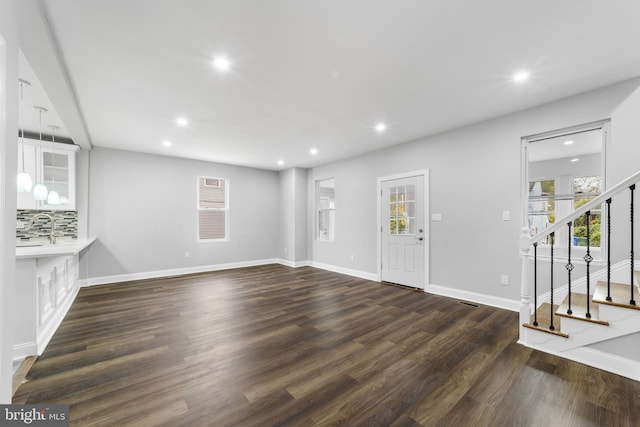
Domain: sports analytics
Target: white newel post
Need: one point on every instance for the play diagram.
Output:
(525, 311)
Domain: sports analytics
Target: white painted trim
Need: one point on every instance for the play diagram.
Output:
(22, 350)
(217, 267)
(293, 264)
(93, 281)
(493, 301)
(349, 272)
(427, 218)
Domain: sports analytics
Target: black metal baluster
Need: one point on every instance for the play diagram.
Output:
(569, 267)
(535, 284)
(608, 249)
(588, 258)
(632, 301)
(551, 327)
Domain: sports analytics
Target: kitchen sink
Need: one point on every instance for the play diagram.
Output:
(28, 244)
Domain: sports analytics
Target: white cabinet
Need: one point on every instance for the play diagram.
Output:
(54, 165)
(45, 289)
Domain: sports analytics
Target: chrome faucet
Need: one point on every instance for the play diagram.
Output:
(52, 235)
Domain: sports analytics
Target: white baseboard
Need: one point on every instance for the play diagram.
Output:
(293, 264)
(490, 300)
(493, 301)
(349, 272)
(22, 350)
(93, 281)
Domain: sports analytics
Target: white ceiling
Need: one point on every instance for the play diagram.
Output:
(320, 74)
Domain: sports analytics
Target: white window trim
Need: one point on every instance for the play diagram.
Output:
(227, 209)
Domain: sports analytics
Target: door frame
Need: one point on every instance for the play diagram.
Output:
(424, 173)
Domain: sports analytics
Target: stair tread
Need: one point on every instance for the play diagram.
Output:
(547, 330)
(579, 309)
(544, 320)
(620, 295)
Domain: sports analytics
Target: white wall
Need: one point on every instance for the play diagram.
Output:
(8, 169)
(142, 209)
(293, 216)
(300, 201)
(622, 161)
(475, 174)
(287, 241)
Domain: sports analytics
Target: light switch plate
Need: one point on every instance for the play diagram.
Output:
(506, 215)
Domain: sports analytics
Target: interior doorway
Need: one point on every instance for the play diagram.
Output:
(562, 170)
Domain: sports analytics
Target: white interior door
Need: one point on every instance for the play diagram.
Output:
(403, 232)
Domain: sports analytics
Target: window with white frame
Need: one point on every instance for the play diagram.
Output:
(326, 208)
(585, 189)
(213, 208)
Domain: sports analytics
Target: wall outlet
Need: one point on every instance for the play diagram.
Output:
(187, 254)
(506, 215)
(504, 280)
(436, 217)
(353, 257)
(285, 250)
(21, 225)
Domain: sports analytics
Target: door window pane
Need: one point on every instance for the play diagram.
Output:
(402, 208)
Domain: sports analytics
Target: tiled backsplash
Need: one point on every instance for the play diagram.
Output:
(66, 224)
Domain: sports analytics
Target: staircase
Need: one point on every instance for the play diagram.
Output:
(597, 320)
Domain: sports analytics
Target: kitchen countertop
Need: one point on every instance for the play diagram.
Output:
(63, 247)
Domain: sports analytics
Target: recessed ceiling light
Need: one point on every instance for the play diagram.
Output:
(381, 127)
(280, 162)
(313, 151)
(221, 63)
(521, 76)
(568, 142)
(166, 143)
(575, 160)
(181, 121)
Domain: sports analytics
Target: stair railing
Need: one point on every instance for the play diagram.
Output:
(527, 242)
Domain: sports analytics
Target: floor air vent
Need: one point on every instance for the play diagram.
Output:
(470, 304)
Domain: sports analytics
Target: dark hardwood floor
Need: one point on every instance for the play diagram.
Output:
(276, 346)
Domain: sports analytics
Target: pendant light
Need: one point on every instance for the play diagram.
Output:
(40, 190)
(53, 198)
(24, 179)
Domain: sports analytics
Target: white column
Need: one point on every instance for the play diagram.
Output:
(525, 288)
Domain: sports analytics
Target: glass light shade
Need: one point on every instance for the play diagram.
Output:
(53, 198)
(40, 192)
(24, 182)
